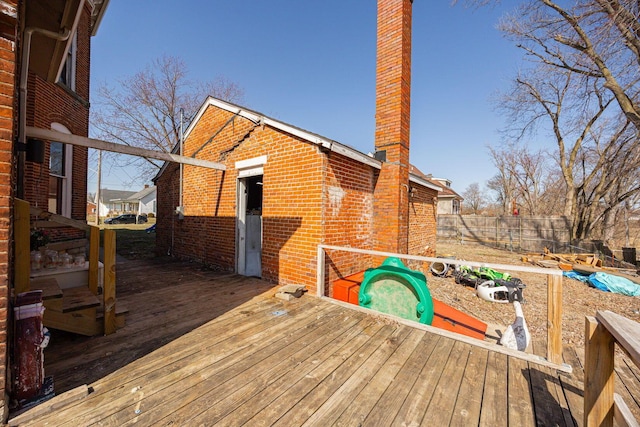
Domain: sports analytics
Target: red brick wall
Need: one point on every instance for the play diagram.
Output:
(348, 215)
(422, 221)
(8, 114)
(292, 195)
(48, 103)
(393, 88)
(167, 200)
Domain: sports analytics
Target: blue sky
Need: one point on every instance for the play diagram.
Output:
(312, 64)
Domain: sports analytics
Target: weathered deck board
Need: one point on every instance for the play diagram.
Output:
(344, 358)
(494, 403)
(395, 394)
(420, 395)
(467, 409)
(573, 386)
(359, 408)
(519, 397)
(266, 398)
(159, 385)
(203, 347)
(549, 404)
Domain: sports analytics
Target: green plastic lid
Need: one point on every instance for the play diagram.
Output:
(395, 289)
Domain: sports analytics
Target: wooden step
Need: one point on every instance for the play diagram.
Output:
(81, 322)
(51, 292)
(49, 287)
(78, 298)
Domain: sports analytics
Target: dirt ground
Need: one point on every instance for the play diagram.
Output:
(579, 300)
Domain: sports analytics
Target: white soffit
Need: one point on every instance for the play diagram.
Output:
(413, 178)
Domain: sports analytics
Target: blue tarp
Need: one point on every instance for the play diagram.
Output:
(607, 282)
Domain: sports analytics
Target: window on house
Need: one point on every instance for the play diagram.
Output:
(68, 75)
(59, 192)
(456, 207)
(56, 176)
(60, 175)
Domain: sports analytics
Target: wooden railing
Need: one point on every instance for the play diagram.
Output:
(601, 404)
(554, 297)
(22, 225)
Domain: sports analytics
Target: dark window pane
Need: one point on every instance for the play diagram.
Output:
(56, 159)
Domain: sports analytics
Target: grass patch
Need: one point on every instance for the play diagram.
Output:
(132, 241)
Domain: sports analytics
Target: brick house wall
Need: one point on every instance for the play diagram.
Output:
(49, 103)
(348, 215)
(422, 221)
(8, 122)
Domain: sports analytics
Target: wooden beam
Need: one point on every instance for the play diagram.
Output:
(22, 239)
(109, 291)
(52, 135)
(554, 290)
(507, 267)
(625, 331)
(598, 375)
(94, 252)
(554, 319)
(59, 219)
(622, 414)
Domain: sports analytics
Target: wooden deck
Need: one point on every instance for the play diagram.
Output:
(206, 348)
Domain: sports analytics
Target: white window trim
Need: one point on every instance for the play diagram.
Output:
(67, 179)
(71, 68)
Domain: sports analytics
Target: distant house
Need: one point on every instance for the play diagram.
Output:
(449, 202)
(116, 202)
(91, 208)
(145, 200)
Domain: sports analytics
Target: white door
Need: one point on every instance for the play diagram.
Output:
(249, 250)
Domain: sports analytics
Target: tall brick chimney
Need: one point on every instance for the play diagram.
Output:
(393, 99)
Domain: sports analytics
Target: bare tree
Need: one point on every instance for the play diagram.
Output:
(144, 110)
(597, 39)
(474, 199)
(521, 177)
(503, 182)
(594, 143)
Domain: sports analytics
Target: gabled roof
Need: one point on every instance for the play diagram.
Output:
(142, 193)
(107, 195)
(325, 143)
(256, 117)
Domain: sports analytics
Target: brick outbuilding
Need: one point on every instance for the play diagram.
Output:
(284, 191)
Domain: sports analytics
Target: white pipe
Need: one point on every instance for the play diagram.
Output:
(24, 72)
